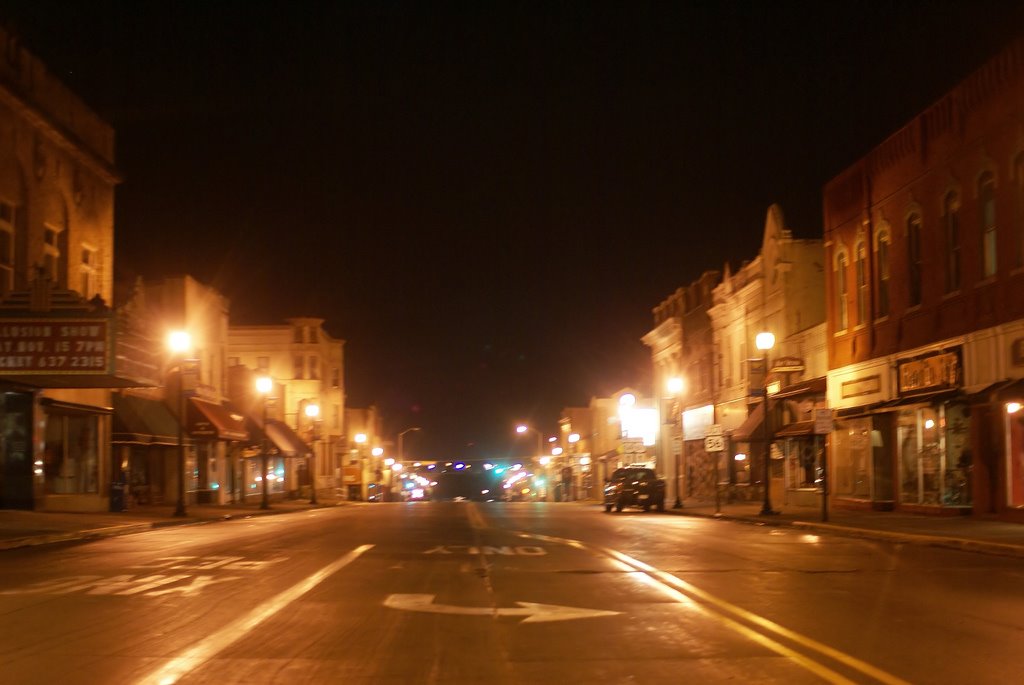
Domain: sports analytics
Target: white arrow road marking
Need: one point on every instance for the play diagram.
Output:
(534, 612)
(202, 651)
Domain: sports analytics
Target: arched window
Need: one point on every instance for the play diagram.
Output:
(987, 205)
(861, 263)
(914, 266)
(6, 247)
(842, 291)
(1018, 201)
(951, 220)
(882, 273)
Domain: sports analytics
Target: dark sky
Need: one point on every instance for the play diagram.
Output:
(486, 199)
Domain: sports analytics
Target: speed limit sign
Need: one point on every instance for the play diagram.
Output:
(714, 443)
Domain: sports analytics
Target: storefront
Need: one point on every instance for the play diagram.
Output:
(999, 482)
(218, 433)
(699, 469)
(286, 457)
(795, 444)
(145, 444)
(910, 453)
(56, 378)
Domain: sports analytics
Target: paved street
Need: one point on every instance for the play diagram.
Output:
(506, 593)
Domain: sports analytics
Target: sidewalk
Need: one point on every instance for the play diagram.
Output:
(29, 528)
(971, 534)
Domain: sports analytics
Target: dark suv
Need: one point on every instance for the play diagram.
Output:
(634, 486)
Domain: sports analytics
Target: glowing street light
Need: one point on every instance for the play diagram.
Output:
(180, 345)
(674, 386)
(312, 413)
(264, 386)
(765, 341)
(522, 429)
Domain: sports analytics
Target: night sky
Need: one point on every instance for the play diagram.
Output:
(485, 199)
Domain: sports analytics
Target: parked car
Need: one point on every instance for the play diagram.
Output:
(634, 486)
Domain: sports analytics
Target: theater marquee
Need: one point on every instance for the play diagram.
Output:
(55, 347)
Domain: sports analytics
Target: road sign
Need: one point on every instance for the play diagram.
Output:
(714, 429)
(714, 443)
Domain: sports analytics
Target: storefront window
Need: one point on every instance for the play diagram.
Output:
(803, 463)
(1015, 459)
(935, 458)
(851, 456)
(71, 454)
(957, 483)
(919, 455)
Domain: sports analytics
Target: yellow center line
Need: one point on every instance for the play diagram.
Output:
(198, 654)
(686, 592)
(476, 519)
(818, 669)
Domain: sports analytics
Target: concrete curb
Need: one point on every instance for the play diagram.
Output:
(134, 528)
(960, 544)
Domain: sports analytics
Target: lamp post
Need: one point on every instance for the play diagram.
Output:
(378, 472)
(264, 385)
(522, 429)
(674, 385)
(401, 454)
(574, 439)
(312, 412)
(765, 341)
(180, 343)
(360, 440)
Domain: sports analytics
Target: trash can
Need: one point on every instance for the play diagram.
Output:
(117, 498)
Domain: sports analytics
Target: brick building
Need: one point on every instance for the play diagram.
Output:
(925, 248)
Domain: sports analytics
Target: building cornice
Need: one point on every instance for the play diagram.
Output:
(59, 136)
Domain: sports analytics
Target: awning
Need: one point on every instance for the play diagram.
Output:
(922, 399)
(813, 386)
(142, 421)
(210, 420)
(796, 429)
(287, 441)
(750, 428)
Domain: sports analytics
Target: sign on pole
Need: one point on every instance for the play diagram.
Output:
(714, 443)
(822, 421)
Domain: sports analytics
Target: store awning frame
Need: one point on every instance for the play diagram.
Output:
(750, 429)
(287, 441)
(813, 386)
(797, 429)
(143, 421)
(214, 421)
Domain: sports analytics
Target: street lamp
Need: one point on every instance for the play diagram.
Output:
(765, 341)
(312, 412)
(577, 475)
(360, 440)
(378, 452)
(264, 386)
(523, 428)
(401, 454)
(674, 386)
(180, 344)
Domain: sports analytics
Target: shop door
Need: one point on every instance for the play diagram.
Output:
(15, 452)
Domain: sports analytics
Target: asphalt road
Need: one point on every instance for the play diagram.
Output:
(504, 593)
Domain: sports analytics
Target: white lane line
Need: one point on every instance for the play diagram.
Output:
(196, 655)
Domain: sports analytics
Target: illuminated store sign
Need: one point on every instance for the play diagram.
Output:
(54, 346)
